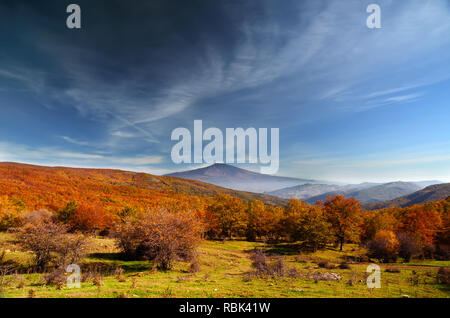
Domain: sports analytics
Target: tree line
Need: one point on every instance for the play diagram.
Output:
(172, 229)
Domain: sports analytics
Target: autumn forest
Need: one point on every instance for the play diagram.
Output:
(59, 214)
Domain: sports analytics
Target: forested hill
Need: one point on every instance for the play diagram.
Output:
(35, 187)
(432, 193)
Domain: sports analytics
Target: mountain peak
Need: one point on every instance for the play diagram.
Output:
(219, 164)
(223, 166)
(232, 177)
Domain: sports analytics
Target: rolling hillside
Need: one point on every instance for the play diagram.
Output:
(37, 187)
(429, 194)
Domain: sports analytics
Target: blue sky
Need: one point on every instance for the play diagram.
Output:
(352, 104)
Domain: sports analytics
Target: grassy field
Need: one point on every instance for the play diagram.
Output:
(223, 273)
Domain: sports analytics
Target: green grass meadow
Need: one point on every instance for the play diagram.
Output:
(223, 274)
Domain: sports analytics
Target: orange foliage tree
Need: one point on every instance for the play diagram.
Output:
(293, 215)
(260, 220)
(307, 223)
(10, 213)
(90, 218)
(385, 246)
(229, 214)
(314, 228)
(376, 221)
(345, 218)
(422, 222)
(443, 236)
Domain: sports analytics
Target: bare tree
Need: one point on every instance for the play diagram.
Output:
(161, 236)
(51, 243)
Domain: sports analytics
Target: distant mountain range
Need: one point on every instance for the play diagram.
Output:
(308, 190)
(432, 193)
(303, 189)
(370, 194)
(231, 177)
(50, 187)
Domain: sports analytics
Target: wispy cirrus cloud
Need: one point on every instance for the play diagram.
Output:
(401, 157)
(140, 160)
(74, 141)
(316, 54)
(123, 134)
(15, 152)
(403, 98)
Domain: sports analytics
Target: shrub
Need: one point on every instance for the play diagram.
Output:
(56, 277)
(364, 259)
(38, 216)
(195, 267)
(89, 218)
(414, 278)
(443, 276)
(73, 247)
(10, 219)
(119, 274)
(259, 261)
(384, 246)
(428, 251)
(133, 283)
(50, 242)
(408, 247)
(32, 293)
(97, 280)
(161, 236)
(42, 238)
(263, 268)
(325, 264)
(392, 270)
(322, 264)
(442, 254)
(10, 213)
(344, 266)
(126, 213)
(356, 258)
(21, 281)
(5, 270)
(65, 214)
(352, 280)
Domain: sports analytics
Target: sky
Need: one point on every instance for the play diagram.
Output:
(352, 104)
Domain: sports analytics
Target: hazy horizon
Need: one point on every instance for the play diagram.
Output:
(234, 165)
